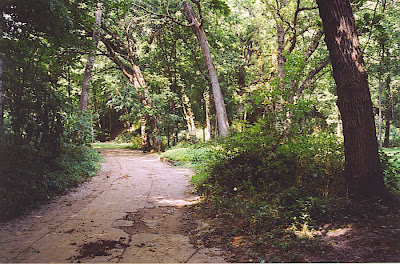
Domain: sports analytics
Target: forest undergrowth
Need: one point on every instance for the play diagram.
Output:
(284, 198)
(41, 177)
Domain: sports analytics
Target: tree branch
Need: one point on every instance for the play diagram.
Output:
(311, 75)
(314, 44)
(294, 23)
(197, 3)
(163, 16)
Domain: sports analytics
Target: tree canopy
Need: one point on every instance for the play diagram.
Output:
(167, 71)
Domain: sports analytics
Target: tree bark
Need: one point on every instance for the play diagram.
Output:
(222, 117)
(281, 33)
(362, 164)
(84, 98)
(189, 116)
(208, 129)
(388, 113)
(281, 48)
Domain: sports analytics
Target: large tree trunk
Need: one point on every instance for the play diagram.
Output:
(281, 48)
(388, 113)
(84, 98)
(208, 129)
(284, 120)
(189, 116)
(362, 164)
(380, 112)
(222, 117)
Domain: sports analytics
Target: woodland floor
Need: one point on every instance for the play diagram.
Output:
(348, 241)
(138, 209)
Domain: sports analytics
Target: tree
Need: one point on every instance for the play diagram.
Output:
(122, 55)
(90, 61)
(362, 163)
(197, 27)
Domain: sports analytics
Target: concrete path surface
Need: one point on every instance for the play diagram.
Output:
(130, 212)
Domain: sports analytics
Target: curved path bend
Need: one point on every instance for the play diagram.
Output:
(130, 212)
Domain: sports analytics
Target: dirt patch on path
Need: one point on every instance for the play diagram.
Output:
(132, 211)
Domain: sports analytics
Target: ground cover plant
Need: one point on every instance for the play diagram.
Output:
(41, 177)
(193, 156)
(275, 198)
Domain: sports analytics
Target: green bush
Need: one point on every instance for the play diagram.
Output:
(78, 129)
(28, 179)
(271, 179)
(257, 161)
(390, 161)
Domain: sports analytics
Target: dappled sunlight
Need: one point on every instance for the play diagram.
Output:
(178, 202)
(307, 232)
(345, 39)
(338, 232)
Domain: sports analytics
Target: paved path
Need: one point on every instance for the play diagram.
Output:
(130, 212)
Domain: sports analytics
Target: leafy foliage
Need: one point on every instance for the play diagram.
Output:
(271, 168)
(391, 169)
(40, 178)
(79, 128)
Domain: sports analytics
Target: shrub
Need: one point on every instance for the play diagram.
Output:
(391, 169)
(271, 179)
(78, 129)
(258, 161)
(28, 179)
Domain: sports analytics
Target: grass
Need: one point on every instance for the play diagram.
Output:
(188, 156)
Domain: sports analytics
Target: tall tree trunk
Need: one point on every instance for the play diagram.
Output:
(281, 33)
(222, 117)
(387, 133)
(388, 113)
(208, 129)
(285, 119)
(144, 136)
(380, 96)
(84, 98)
(281, 47)
(189, 116)
(362, 165)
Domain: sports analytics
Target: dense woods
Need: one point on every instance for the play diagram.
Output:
(287, 101)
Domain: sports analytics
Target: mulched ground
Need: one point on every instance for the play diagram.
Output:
(374, 238)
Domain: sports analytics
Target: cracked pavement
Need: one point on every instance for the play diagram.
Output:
(130, 212)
